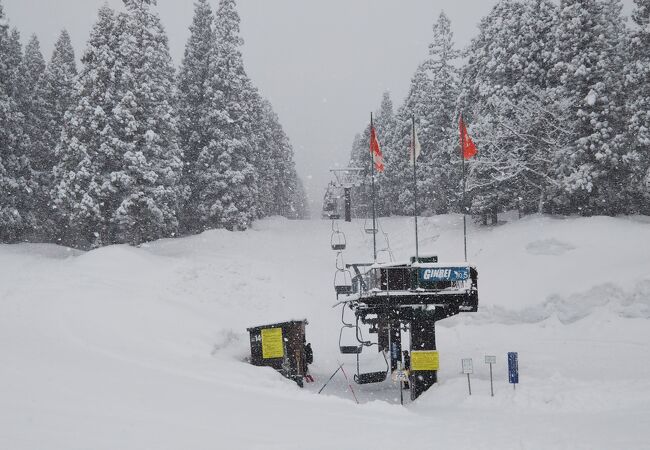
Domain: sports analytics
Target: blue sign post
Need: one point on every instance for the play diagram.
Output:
(513, 369)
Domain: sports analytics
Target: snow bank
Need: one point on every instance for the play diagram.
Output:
(136, 348)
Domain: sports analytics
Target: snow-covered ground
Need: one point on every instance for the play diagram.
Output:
(142, 348)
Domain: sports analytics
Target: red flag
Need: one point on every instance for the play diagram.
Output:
(375, 150)
(468, 147)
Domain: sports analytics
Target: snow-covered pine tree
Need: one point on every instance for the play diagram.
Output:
(32, 69)
(638, 102)
(385, 123)
(504, 98)
(539, 119)
(360, 157)
(16, 187)
(52, 98)
(431, 102)
(56, 92)
(300, 201)
(267, 154)
(278, 184)
(194, 103)
(89, 179)
(147, 140)
(14, 59)
(437, 132)
(399, 171)
(596, 168)
(16, 216)
(491, 73)
(227, 181)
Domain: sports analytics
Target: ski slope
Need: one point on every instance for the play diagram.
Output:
(143, 348)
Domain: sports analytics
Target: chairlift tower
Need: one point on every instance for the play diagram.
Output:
(338, 198)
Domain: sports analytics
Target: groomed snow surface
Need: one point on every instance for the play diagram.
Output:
(143, 348)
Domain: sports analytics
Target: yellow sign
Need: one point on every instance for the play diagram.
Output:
(272, 343)
(424, 360)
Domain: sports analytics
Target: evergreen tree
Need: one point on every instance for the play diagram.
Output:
(638, 87)
(195, 97)
(280, 190)
(51, 99)
(16, 187)
(430, 103)
(14, 55)
(595, 168)
(147, 129)
(399, 170)
(437, 130)
(88, 174)
(55, 93)
(300, 202)
(32, 70)
(360, 158)
(119, 170)
(227, 182)
(504, 98)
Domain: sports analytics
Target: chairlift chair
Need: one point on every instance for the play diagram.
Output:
(368, 227)
(348, 349)
(371, 377)
(385, 255)
(337, 241)
(343, 282)
(340, 264)
(360, 378)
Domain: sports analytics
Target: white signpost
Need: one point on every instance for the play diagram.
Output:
(468, 368)
(491, 360)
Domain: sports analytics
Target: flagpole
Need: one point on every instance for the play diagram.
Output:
(415, 192)
(462, 158)
(374, 210)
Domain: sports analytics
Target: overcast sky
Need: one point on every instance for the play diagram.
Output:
(323, 63)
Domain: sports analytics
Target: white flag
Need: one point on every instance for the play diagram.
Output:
(415, 148)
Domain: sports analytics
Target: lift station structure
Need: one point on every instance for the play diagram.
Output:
(390, 298)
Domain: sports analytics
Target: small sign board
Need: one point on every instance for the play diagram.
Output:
(468, 366)
(490, 359)
(400, 375)
(425, 361)
(513, 367)
(272, 343)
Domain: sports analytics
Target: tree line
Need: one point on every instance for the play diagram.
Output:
(125, 149)
(557, 99)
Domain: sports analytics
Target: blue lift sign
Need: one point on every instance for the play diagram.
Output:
(513, 368)
(444, 274)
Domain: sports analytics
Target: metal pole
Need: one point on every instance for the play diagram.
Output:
(374, 210)
(328, 381)
(464, 206)
(415, 194)
(469, 385)
(401, 385)
(491, 383)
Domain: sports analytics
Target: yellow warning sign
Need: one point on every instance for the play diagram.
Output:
(272, 343)
(424, 360)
